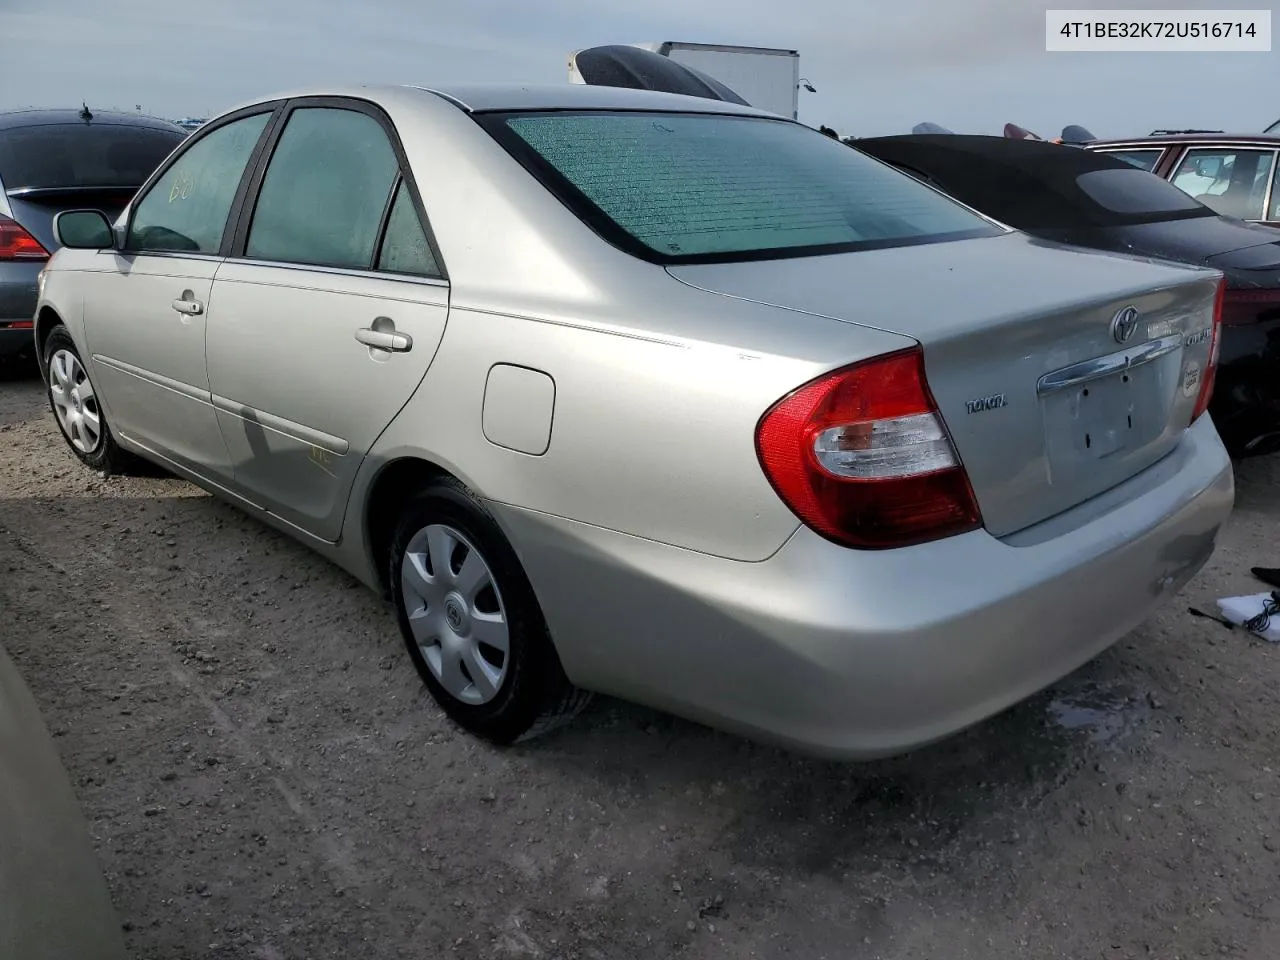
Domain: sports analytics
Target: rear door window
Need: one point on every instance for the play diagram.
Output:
(325, 191)
(405, 248)
(65, 156)
(682, 188)
(1231, 180)
(186, 209)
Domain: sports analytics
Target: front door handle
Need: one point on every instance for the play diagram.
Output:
(385, 340)
(192, 308)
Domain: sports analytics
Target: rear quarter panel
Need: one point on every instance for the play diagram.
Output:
(62, 300)
(650, 436)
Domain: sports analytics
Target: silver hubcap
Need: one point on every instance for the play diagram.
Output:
(74, 402)
(455, 613)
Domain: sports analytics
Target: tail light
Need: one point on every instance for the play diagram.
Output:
(1247, 306)
(1215, 344)
(862, 457)
(17, 244)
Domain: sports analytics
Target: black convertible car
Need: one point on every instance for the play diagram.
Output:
(1091, 200)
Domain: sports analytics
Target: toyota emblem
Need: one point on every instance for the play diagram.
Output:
(1124, 323)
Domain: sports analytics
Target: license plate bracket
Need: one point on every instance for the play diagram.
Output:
(1103, 414)
(1106, 417)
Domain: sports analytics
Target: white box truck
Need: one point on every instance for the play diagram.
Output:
(766, 77)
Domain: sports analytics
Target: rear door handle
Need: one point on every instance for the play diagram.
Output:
(192, 308)
(380, 340)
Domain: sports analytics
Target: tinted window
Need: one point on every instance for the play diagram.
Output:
(325, 190)
(187, 208)
(690, 186)
(73, 155)
(405, 248)
(1230, 180)
(1135, 191)
(1142, 159)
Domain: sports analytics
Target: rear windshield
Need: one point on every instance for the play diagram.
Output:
(686, 188)
(1136, 192)
(74, 155)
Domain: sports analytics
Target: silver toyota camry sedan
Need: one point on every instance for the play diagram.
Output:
(665, 398)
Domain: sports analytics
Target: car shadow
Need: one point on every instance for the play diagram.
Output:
(822, 816)
(16, 369)
(1258, 488)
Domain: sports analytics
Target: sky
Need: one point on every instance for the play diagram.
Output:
(879, 66)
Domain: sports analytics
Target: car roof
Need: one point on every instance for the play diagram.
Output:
(13, 119)
(1234, 139)
(477, 97)
(1028, 184)
(496, 97)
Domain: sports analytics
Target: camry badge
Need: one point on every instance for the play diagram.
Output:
(1124, 323)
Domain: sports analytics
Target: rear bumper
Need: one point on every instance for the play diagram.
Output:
(18, 295)
(853, 655)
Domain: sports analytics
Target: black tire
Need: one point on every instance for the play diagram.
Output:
(106, 456)
(533, 696)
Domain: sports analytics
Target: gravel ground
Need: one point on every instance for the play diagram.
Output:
(265, 778)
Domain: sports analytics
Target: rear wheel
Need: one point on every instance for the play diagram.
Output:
(75, 406)
(471, 622)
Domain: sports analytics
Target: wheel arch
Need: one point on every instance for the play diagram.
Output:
(391, 488)
(46, 319)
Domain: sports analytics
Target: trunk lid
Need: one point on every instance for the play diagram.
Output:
(1215, 241)
(35, 209)
(1046, 405)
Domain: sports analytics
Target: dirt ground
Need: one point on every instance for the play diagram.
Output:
(265, 778)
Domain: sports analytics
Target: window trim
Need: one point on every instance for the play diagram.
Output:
(586, 211)
(247, 205)
(384, 221)
(382, 237)
(1159, 151)
(1217, 147)
(1271, 206)
(271, 107)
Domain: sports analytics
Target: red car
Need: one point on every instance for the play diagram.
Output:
(1235, 174)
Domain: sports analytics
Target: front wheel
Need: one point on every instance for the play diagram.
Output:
(74, 401)
(471, 622)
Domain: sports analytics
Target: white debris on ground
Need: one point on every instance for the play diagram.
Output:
(1259, 614)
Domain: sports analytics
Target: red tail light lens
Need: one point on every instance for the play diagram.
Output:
(862, 457)
(1248, 306)
(17, 244)
(1215, 343)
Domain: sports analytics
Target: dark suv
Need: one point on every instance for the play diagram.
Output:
(54, 160)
